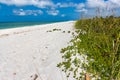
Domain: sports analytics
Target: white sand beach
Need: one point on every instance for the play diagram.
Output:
(32, 53)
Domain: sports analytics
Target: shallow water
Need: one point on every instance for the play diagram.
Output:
(7, 25)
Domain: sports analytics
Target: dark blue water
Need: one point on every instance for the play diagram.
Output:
(7, 25)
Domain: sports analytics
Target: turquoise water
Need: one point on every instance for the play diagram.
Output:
(7, 25)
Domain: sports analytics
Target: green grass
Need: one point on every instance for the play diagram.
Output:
(98, 43)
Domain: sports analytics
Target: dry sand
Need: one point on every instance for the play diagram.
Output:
(32, 53)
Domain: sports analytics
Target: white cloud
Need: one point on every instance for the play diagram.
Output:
(80, 5)
(103, 3)
(49, 4)
(70, 4)
(106, 7)
(44, 3)
(37, 3)
(96, 3)
(63, 5)
(113, 3)
(16, 2)
(22, 12)
(117, 2)
(53, 12)
(63, 15)
(82, 10)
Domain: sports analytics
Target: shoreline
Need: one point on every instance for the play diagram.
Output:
(23, 24)
(26, 28)
(30, 51)
(31, 26)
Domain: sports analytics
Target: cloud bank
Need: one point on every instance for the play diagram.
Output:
(50, 3)
(52, 8)
(37, 3)
(103, 3)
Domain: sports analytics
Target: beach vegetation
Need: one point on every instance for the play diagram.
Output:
(68, 31)
(94, 49)
(63, 31)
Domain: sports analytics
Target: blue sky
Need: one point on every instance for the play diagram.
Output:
(54, 10)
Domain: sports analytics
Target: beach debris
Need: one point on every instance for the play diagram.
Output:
(35, 77)
(31, 76)
(54, 30)
(4, 35)
(63, 31)
(68, 31)
(14, 73)
(87, 77)
(49, 31)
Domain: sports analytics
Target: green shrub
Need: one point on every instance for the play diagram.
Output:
(95, 50)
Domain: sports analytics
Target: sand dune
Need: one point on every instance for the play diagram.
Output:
(32, 53)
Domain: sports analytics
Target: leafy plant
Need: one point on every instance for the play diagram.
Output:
(94, 50)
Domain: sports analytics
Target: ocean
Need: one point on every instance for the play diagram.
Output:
(7, 25)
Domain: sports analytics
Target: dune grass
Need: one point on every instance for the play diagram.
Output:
(95, 49)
